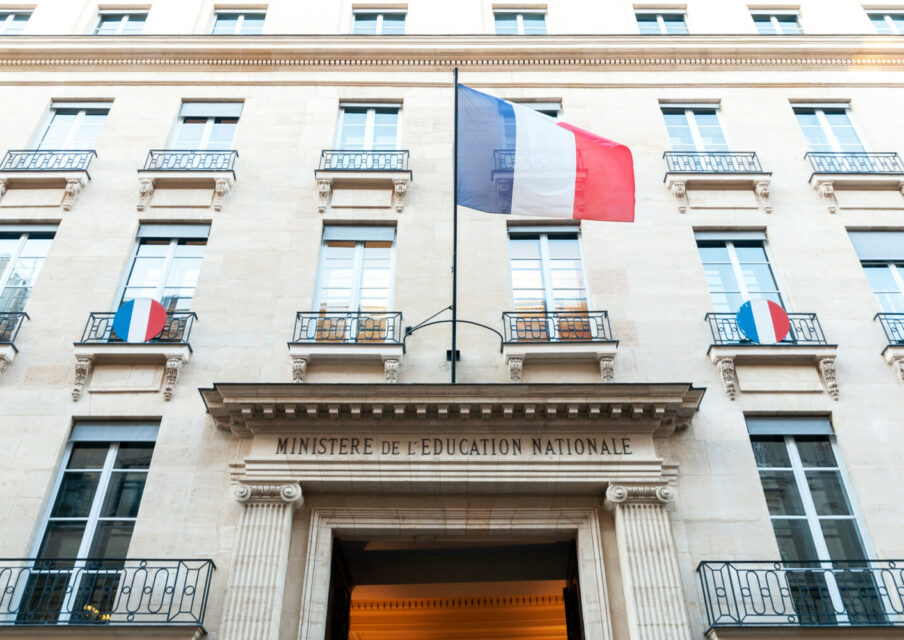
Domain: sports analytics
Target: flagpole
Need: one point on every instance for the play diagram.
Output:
(454, 223)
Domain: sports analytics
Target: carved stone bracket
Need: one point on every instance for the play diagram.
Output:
(827, 368)
(679, 191)
(727, 371)
(4, 363)
(763, 195)
(268, 494)
(145, 192)
(83, 366)
(391, 369)
(607, 369)
(324, 189)
(220, 189)
(171, 375)
(74, 186)
(516, 369)
(3, 186)
(826, 191)
(299, 368)
(400, 186)
(617, 494)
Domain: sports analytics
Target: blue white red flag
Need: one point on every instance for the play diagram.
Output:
(512, 159)
(763, 321)
(139, 320)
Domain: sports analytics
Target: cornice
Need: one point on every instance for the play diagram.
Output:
(414, 53)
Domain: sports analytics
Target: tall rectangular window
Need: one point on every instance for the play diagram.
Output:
(117, 23)
(166, 264)
(235, 23)
(882, 256)
(694, 128)
(387, 23)
(13, 22)
(888, 22)
(368, 127)
(520, 23)
(828, 129)
(547, 271)
(206, 125)
(657, 23)
(777, 23)
(356, 269)
(73, 125)
(737, 270)
(22, 253)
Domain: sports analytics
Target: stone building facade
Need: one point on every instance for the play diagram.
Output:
(289, 458)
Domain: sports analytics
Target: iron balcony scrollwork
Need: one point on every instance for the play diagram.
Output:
(99, 329)
(805, 330)
(712, 162)
(110, 592)
(10, 323)
(343, 160)
(190, 160)
(814, 593)
(859, 162)
(349, 327)
(893, 325)
(556, 326)
(49, 160)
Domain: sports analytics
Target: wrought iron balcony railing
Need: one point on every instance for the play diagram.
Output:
(349, 327)
(190, 160)
(99, 329)
(893, 325)
(104, 592)
(556, 326)
(805, 330)
(10, 323)
(712, 162)
(813, 593)
(49, 160)
(830, 162)
(341, 160)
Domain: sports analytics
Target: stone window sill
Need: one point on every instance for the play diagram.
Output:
(389, 353)
(517, 353)
(725, 357)
(172, 356)
(759, 183)
(326, 179)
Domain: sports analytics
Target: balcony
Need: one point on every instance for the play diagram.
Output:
(840, 595)
(131, 593)
(347, 336)
(174, 178)
(44, 177)
(893, 326)
(795, 364)
(99, 345)
(709, 173)
(362, 179)
(10, 323)
(558, 336)
(854, 171)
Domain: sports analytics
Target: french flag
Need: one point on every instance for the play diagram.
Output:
(512, 159)
(763, 321)
(139, 320)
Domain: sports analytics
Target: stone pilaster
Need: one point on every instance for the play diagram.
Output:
(260, 556)
(649, 566)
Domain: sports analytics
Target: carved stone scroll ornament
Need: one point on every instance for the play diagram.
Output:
(763, 196)
(171, 375)
(391, 370)
(324, 189)
(4, 363)
(268, 494)
(899, 368)
(299, 368)
(220, 189)
(83, 368)
(401, 190)
(826, 191)
(607, 369)
(3, 186)
(516, 369)
(827, 368)
(617, 494)
(679, 191)
(727, 371)
(145, 192)
(73, 189)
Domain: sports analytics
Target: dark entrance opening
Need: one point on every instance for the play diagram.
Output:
(428, 588)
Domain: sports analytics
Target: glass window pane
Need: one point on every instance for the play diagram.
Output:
(713, 253)
(62, 540)
(534, 24)
(795, 542)
(109, 24)
(75, 495)
(393, 24)
(225, 23)
(764, 25)
(58, 130)
(770, 451)
(506, 24)
(782, 495)
(789, 25)
(758, 278)
(828, 493)
(524, 248)
(812, 130)
(134, 455)
(191, 131)
(710, 131)
(880, 23)
(88, 455)
(564, 248)
(147, 272)
(111, 540)
(880, 278)
(680, 136)
(843, 539)
(674, 24)
(720, 278)
(365, 24)
(815, 451)
(123, 494)
(354, 123)
(253, 24)
(183, 272)
(648, 24)
(222, 133)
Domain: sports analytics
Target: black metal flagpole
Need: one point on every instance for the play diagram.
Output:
(454, 223)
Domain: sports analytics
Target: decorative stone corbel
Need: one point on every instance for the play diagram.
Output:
(679, 191)
(324, 189)
(73, 188)
(727, 371)
(170, 375)
(826, 191)
(391, 370)
(401, 190)
(299, 368)
(827, 368)
(220, 189)
(3, 187)
(83, 366)
(516, 369)
(607, 368)
(145, 192)
(763, 195)
(899, 368)
(4, 363)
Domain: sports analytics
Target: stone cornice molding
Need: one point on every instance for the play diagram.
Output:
(618, 494)
(655, 408)
(289, 493)
(417, 53)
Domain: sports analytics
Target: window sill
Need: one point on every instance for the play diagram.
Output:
(171, 356)
(517, 353)
(389, 353)
(678, 184)
(789, 367)
(826, 184)
(65, 188)
(396, 180)
(178, 188)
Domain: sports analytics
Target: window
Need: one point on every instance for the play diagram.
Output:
(367, 128)
(828, 129)
(882, 256)
(166, 265)
(694, 129)
(551, 109)
(737, 270)
(73, 126)
(91, 516)
(520, 23)
(206, 125)
(238, 23)
(652, 23)
(22, 254)
(813, 517)
(378, 23)
(120, 24)
(775, 23)
(12, 23)
(888, 22)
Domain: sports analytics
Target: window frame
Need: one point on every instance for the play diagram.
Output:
(690, 114)
(545, 269)
(369, 124)
(773, 15)
(167, 267)
(660, 20)
(10, 19)
(357, 275)
(126, 18)
(205, 135)
(79, 119)
(888, 19)
(519, 19)
(895, 267)
(241, 13)
(738, 272)
(24, 236)
(826, 128)
(380, 13)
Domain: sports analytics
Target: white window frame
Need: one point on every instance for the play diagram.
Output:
(546, 271)
(690, 112)
(358, 274)
(897, 275)
(887, 17)
(379, 13)
(14, 258)
(79, 119)
(126, 18)
(773, 19)
(369, 123)
(739, 273)
(660, 19)
(10, 17)
(205, 135)
(519, 17)
(167, 267)
(241, 13)
(819, 110)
